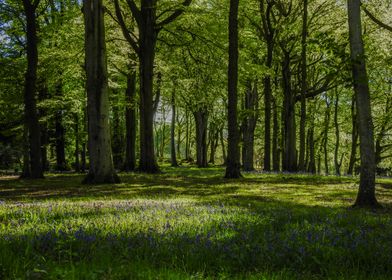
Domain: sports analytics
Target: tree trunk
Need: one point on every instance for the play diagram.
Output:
(26, 172)
(147, 41)
(77, 140)
(275, 133)
(130, 123)
(179, 133)
(233, 152)
(61, 164)
(187, 140)
(310, 143)
(366, 194)
(267, 109)
(173, 131)
(201, 119)
(31, 114)
(382, 134)
(290, 153)
(117, 135)
(101, 168)
(354, 137)
(43, 95)
(249, 125)
(304, 87)
(326, 131)
(214, 145)
(338, 163)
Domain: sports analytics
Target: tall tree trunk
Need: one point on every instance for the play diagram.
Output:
(43, 95)
(275, 138)
(266, 13)
(26, 171)
(147, 40)
(233, 152)
(179, 133)
(267, 109)
(101, 168)
(249, 125)
(222, 141)
(117, 134)
(31, 114)
(290, 153)
(173, 131)
(201, 120)
(304, 87)
(366, 194)
(326, 131)
(381, 134)
(77, 141)
(61, 164)
(354, 137)
(130, 122)
(214, 136)
(310, 143)
(187, 140)
(338, 163)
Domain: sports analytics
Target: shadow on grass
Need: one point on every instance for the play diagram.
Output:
(203, 184)
(266, 235)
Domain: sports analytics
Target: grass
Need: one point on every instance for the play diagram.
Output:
(192, 224)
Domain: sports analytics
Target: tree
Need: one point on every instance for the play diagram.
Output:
(35, 169)
(145, 46)
(366, 196)
(233, 157)
(172, 130)
(101, 168)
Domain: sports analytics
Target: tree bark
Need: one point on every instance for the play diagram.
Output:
(249, 125)
(31, 114)
(326, 131)
(77, 141)
(338, 163)
(290, 152)
(201, 119)
(130, 123)
(173, 131)
(304, 87)
(267, 109)
(61, 164)
(366, 195)
(147, 40)
(275, 138)
(233, 152)
(354, 137)
(101, 168)
(117, 134)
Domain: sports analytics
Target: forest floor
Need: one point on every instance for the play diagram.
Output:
(188, 223)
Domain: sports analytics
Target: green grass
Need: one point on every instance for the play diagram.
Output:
(189, 223)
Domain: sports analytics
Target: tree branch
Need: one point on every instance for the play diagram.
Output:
(127, 34)
(174, 15)
(376, 20)
(135, 11)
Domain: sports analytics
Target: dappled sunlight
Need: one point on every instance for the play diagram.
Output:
(259, 223)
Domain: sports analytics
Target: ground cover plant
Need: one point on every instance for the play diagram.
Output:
(188, 223)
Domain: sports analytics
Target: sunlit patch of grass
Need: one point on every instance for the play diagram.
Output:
(191, 223)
